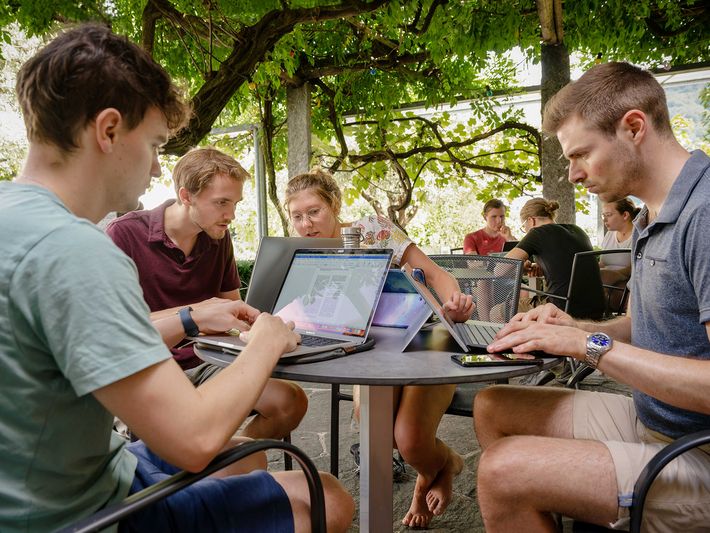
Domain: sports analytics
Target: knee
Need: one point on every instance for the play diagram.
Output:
(339, 504)
(298, 401)
(486, 402)
(292, 403)
(498, 468)
(411, 440)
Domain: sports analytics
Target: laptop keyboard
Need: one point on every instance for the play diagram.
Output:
(476, 334)
(312, 340)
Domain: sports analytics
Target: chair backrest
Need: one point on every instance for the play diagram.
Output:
(585, 295)
(494, 282)
(615, 286)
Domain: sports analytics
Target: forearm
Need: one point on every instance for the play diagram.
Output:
(184, 425)
(678, 381)
(164, 313)
(618, 329)
(170, 328)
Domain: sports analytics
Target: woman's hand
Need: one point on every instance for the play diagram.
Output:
(459, 307)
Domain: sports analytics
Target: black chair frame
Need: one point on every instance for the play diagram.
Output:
(135, 502)
(655, 466)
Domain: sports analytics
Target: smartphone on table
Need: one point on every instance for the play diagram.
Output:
(493, 359)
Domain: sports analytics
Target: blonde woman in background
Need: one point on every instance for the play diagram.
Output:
(313, 202)
(552, 246)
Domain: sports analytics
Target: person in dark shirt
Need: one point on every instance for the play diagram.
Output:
(549, 248)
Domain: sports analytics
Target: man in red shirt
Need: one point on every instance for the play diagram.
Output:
(493, 235)
(184, 255)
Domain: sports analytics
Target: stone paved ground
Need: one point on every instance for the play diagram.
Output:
(313, 436)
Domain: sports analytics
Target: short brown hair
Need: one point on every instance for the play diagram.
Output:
(539, 207)
(604, 94)
(67, 83)
(493, 203)
(198, 167)
(322, 183)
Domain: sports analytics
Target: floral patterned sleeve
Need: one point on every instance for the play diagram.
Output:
(380, 232)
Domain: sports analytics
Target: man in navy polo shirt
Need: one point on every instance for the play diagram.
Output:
(184, 255)
(554, 451)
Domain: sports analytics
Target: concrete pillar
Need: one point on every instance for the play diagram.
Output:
(298, 110)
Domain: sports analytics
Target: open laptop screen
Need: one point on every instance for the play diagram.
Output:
(333, 293)
(400, 304)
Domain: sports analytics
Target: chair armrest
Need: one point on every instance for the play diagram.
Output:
(654, 467)
(114, 513)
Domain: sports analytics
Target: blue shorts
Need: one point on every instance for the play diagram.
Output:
(252, 502)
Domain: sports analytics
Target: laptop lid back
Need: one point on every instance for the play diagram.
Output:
(333, 293)
(271, 264)
(435, 306)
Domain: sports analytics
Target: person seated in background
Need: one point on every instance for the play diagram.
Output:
(553, 247)
(618, 218)
(313, 202)
(493, 235)
(615, 269)
(77, 346)
(184, 256)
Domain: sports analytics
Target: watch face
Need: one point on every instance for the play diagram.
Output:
(600, 340)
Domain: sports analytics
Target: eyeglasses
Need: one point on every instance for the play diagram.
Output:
(524, 226)
(311, 215)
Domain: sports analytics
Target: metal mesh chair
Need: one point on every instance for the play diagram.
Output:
(494, 283)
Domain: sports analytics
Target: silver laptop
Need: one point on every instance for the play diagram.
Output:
(471, 335)
(331, 296)
(402, 307)
(271, 264)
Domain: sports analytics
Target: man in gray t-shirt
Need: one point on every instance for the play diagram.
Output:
(76, 342)
(579, 453)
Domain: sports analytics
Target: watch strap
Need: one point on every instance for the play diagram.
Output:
(188, 324)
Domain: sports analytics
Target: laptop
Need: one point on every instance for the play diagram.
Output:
(402, 307)
(271, 264)
(331, 296)
(509, 245)
(472, 335)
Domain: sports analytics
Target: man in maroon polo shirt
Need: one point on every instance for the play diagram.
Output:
(184, 255)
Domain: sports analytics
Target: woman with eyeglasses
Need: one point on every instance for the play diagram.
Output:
(618, 218)
(313, 201)
(615, 269)
(553, 247)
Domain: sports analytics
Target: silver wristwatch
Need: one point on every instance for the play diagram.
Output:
(597, 345)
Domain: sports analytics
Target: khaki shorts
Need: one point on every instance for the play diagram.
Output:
(201, 373)
(679, 499)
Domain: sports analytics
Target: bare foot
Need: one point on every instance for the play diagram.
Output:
(419, 514)
(439, 496)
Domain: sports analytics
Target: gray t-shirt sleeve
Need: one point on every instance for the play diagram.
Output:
(697, 259)
(77, 296)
